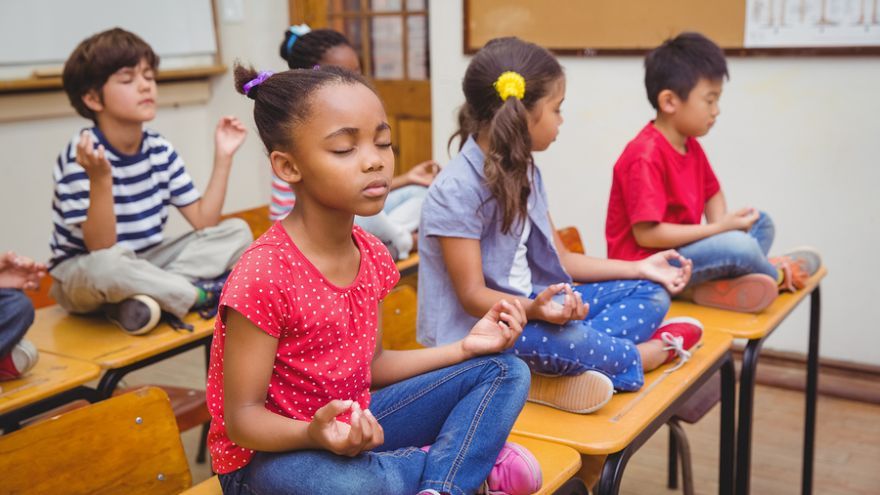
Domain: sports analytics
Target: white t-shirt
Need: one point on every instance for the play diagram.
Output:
(520, 278)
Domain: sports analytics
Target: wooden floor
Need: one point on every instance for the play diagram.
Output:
(847, 442)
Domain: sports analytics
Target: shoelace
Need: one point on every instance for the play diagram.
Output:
(675, 343)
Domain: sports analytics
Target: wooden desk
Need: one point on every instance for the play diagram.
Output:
(54, 381)
(756, 328)
(94, 339)
(624, 424)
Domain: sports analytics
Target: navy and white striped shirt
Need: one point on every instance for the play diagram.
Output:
(144, 184)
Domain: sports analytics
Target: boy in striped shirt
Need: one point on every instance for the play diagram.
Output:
(113, 185)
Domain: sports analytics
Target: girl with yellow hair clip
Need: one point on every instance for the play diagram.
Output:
(486, 233)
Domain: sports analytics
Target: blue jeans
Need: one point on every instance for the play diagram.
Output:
(623, 313)
(732, 253)
(16, 316)
(465, 412)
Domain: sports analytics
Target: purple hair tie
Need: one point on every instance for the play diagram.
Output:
(316, 67)
(262, 76)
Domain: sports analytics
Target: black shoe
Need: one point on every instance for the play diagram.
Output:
(136, 315)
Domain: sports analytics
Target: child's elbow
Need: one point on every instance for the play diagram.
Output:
(646, 236)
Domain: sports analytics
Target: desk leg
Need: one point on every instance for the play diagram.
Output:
(612, 472)
(746, 406)
(812, 385)
(727, 435)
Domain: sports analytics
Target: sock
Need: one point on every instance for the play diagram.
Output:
(201, 297)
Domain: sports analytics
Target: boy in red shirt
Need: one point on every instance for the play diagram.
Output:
(663, 185)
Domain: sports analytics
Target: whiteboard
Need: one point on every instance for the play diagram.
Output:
(36, 34)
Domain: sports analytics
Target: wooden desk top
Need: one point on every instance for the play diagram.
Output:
(95, 339)
(52, 375)
(748, 325)
(617, 424)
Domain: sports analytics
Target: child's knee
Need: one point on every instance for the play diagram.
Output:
(17, 305)
(658, 295)
(738, 245)
(105, 264)
(514, 369)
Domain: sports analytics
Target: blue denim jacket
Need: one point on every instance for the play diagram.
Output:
(460, 205)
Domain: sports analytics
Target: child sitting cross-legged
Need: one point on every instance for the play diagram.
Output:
(663, 186)
(114, 182)
(302, 396)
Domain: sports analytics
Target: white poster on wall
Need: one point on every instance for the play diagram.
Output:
(812, 23)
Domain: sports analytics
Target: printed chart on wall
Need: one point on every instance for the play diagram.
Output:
(812, 23)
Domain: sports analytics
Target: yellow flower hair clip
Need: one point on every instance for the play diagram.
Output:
(510, 84)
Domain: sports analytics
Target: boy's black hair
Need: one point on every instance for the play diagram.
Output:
(308, 49)
(97, 58)
(679, 63)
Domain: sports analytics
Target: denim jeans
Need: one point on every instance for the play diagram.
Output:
(623, 313)
(16, 316)
(465, 412)
(732, 253)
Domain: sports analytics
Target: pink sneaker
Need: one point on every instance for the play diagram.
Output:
(516, 472)
(18, 362)
(679, 336)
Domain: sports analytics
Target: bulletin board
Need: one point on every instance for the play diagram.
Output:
(620, 27)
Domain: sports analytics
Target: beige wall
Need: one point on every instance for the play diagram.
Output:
(31, 147)
(798, 137)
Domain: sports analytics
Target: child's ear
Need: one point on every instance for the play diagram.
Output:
(667, 101)
(93, 100)
(285, 167)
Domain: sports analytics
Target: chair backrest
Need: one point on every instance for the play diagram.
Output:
(399, 319)
(571, 239)
(127, 444)
(256, 218)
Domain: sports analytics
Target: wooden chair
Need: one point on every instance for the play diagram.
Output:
(128, 444)
(755, 328)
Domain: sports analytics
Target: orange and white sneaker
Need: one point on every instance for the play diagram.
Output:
(19, 361)
(750, 293)
(796, 267)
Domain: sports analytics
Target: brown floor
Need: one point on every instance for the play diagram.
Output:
(847, 442)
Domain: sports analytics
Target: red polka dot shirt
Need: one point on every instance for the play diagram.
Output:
(326, 334)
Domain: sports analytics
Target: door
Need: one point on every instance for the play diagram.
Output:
(391, 38)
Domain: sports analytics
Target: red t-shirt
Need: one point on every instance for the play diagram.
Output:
(326, 334)
(653, 182)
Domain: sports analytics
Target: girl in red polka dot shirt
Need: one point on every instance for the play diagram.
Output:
(302, 396)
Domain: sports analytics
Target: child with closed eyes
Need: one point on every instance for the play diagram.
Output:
(303, 397)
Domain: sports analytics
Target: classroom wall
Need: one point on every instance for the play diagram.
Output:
(797, 137)
(31, 147)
